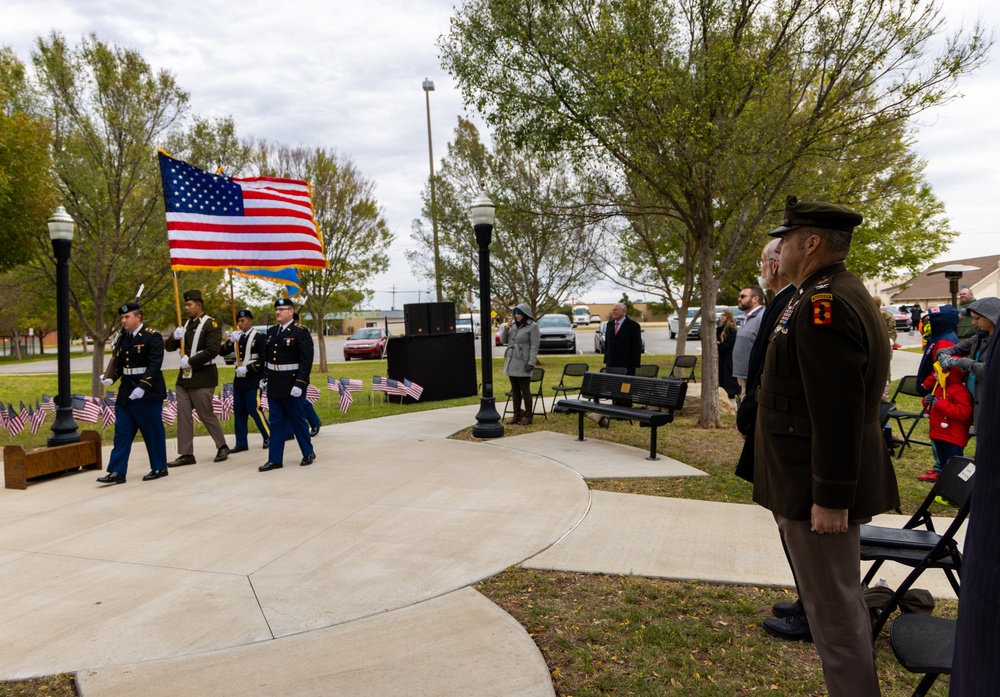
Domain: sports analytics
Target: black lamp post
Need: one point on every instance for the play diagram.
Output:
(488, 419)
(954, 274)
(64, 428)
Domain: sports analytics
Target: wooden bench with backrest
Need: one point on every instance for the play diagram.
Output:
(653, 401)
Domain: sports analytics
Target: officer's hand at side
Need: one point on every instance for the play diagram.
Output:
(827, 521)
(184, 362)
(296, 391)
(179, 333)
(235, 336)
(241, 372)
(137, 393)
(107, 382)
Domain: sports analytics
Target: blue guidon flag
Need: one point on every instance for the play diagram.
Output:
(219, 222)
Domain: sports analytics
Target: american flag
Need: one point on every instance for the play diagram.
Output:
(15, 421)
(350, 384)
(48, 404)
(36, 418)
(227, 401)
(346, 400)
(215, 221)
(86, 409)
(412, 389)
(313, 394)
(169, 414)
(108, 411)
(3, 416)
(387, 385)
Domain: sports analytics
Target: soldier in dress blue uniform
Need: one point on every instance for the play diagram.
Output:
(288, 356)
(139, 405)
(248, 344)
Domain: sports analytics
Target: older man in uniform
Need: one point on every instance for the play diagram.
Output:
(820, 464)
(199, 340)
(139, 406)
(248, 345)
(288, 356)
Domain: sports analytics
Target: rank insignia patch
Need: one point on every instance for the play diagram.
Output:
(822, 312)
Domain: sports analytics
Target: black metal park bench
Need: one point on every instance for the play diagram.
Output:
(653, 401)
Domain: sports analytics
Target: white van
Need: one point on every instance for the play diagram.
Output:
(581, 315)
(469, 323)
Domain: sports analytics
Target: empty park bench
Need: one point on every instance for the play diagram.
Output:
(653, 401)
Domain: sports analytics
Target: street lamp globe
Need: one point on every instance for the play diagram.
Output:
(61, 225)
(483, 210)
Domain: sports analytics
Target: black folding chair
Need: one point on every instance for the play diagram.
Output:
(647, 371)
(570, 370)
(684, 364)
(537, 375)
(917, 544)
(923, 644)
(907, 386)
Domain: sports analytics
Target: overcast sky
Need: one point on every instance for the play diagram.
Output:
(347, 75)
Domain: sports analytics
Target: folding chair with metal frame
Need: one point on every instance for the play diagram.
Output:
(923, 644)
(924, 548)
(649, 370)
(684, 363)
(907, 386)
(574, 370)
(537, 375)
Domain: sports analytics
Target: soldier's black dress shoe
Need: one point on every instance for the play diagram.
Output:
(238, 449)
(267, 442)
(289, 436)
(183, 460)
(313, 431)
(787, 609)
(790, 628)
(156, 474)
(112, 478)
(268, 466)
(222, 454)
(308, 459)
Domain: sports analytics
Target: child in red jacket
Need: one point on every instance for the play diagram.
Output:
(949, 406)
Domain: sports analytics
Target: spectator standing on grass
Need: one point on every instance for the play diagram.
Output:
(622, 341)
(820, 464)
(949, 410)
(522, 337)
(942, 321)
(965, 328)
(969, 353)
(751, 299)
(725, 337)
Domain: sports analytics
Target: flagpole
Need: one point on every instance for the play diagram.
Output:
(232, 303)
(177, 303)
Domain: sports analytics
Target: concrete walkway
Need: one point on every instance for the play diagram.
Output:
(351, 576)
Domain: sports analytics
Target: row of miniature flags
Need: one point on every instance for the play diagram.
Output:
(94, 410)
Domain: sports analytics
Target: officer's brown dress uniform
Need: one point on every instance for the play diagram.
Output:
(818, 441)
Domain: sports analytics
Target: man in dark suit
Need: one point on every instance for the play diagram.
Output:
(288, 357)
(623, 341)
(820, 464)
(248, 345)
(139, 406)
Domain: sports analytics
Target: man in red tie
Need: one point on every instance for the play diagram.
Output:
(623, 342)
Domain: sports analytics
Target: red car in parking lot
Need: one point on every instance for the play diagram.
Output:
(366, 343)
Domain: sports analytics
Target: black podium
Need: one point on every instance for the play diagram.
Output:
(443, 364)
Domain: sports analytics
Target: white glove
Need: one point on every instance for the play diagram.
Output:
(137, 393)
(235, 336)
(184, 362)
(241, 372)
(179, 333)
(107, 382)
(296, 391)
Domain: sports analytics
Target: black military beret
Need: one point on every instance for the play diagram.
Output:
(128, 307)
(244, 313)
(193, 296)
(830, 216)
(283, 302)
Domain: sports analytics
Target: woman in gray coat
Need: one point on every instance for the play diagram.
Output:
(521, 337)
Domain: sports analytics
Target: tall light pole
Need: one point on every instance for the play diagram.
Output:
(428, 88)
(64, 428)
(954, 274)
(488, 419)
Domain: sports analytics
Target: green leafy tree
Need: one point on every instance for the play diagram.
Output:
(27, 190)
(108, 109)
(719, 109)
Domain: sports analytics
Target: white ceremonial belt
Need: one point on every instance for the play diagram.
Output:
(282, 367)
(133, 371)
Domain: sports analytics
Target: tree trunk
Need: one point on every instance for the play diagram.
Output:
(84, 342)
(15, 346)
(709, 350)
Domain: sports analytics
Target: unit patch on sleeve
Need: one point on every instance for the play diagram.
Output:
(822, 308)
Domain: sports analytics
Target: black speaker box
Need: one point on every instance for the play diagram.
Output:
(443, 364)
(428, 319)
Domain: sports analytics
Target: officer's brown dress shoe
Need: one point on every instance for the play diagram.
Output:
(222, 454)
(112, 478)
(268, 466)
(183, 460)
(789, 628)
(156, 474)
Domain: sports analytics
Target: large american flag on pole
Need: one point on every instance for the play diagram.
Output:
(218, 222)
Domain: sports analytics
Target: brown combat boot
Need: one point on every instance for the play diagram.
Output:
(516, 419)
(527, 416)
